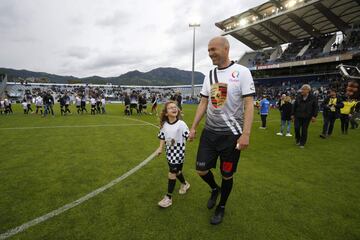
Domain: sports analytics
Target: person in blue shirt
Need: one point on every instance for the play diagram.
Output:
(264, 111)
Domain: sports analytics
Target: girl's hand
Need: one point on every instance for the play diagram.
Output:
(158, 151)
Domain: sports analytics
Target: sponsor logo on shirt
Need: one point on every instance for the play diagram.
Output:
(234, 76)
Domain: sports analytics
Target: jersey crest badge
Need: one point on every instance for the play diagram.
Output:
(218, 94)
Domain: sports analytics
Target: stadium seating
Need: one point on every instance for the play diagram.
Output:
(292, 51)
(305, 49)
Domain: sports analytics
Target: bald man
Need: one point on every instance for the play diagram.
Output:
(227, 98)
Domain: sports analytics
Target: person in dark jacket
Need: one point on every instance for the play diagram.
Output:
(330, 107)
(178, 99)
(66, 98)
(140, 100)
(354, 116)
(285, 110)
(127, 104)
(62, 101)
(305, 109)
(83, 103)
(49, 103)
(144, 104)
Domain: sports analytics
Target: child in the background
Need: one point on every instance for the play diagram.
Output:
(173, 134)
(25, 106)
(93, 105)
(264, 111)
(78, 104)
(285, 109)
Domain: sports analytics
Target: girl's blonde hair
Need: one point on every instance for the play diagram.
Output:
(163, 117)
(287, 99)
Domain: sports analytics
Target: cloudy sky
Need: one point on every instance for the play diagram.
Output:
(111, 37)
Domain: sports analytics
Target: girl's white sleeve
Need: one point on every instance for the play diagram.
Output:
(161, 134)
(185, 130)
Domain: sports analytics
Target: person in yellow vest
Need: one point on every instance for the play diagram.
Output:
(349, 107)
(330, 107)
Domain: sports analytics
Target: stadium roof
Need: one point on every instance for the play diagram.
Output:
(283, 21)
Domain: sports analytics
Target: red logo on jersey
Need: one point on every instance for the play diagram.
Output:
(218, 94)
(227, 166)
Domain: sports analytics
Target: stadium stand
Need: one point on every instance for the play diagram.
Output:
(296, 42)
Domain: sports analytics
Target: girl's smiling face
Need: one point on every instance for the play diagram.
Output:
(172, 110)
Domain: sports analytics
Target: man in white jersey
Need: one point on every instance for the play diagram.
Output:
(39, 104)
(78, 103)
(93, 105)
(103, 105)
(227, 99)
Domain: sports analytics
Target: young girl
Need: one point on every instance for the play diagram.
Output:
(25, 106)
(93, 105)
(173, 133)
(285, 109)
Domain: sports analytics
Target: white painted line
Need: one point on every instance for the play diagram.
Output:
(73, 204)
(138, 120)
(79, 126)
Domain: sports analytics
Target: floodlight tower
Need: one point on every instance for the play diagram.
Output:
(194, 25)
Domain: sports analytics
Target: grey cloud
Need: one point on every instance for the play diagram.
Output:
(23, 39)
(116, 19)
(111, 60)
(77, 20)
(8, 15)
(141, 35)
(79, 52)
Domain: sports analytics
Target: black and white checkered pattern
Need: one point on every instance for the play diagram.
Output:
(161, 135)
(175, 154)
(186, 135)
(175, 136)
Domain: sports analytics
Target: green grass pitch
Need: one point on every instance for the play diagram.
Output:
(280, 191)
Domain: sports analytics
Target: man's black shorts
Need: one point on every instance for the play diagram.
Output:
(212, 145)
(175, 168)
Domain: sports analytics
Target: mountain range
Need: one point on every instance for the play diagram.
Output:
(156, 77)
